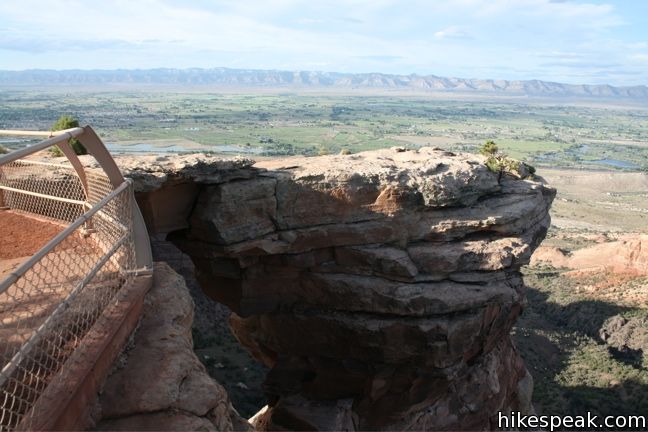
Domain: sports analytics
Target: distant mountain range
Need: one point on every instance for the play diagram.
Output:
(226, 77)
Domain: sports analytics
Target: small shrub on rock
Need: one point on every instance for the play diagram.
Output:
(489, 148)
(502, 164)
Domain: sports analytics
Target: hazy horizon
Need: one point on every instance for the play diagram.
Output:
(331, 72)
(574, 42)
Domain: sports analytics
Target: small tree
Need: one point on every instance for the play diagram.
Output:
(68, 122)
(500, 163)
(489, 148)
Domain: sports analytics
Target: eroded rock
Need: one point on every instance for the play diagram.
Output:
(380, 288)
(161, 384)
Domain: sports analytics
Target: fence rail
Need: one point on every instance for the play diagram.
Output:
(52, 300)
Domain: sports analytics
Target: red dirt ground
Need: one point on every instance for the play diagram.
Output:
(22, 236)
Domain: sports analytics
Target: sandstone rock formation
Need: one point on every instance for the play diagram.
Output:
(379, 287)
(161, 385)
(629, 254)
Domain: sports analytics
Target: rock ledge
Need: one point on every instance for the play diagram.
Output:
(380, 288)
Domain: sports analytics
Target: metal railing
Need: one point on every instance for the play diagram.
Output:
(50, 302)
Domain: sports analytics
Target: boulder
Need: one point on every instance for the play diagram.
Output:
(160, 384)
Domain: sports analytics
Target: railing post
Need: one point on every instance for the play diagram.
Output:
(2, 202)
(69, 153)
(3, 205)
(94, 145)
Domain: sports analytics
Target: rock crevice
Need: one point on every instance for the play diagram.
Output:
(380, 288)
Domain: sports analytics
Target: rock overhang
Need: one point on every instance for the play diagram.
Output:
(392, 260)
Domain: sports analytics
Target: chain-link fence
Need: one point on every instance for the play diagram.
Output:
(50, 302)
(49, 190)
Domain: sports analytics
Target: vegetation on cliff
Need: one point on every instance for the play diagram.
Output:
(500, 163)
(63, 123)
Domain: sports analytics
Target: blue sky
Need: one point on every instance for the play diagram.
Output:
(557, 40)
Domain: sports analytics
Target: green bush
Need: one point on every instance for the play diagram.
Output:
(3, 149)
(493, 164)
(510, 165)
(489, 148)
(67, 122)
(501, 164)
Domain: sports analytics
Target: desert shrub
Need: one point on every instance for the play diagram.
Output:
(489, 148)
(67, 122)
(345, 151)
(493, 164)
(502, 164)
(510, 165)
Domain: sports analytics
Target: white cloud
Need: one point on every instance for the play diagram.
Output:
(452, 32)
(643, 58)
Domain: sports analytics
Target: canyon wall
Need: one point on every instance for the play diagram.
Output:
(380, 287)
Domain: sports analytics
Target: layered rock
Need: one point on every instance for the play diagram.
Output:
(379, 287)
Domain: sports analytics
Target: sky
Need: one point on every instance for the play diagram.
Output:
(593, 42)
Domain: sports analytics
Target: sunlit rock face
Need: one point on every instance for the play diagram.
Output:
(380, 287)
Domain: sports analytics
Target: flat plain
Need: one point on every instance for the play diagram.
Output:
(558, 133)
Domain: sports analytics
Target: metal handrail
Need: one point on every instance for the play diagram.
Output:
(45, 196)
(57, 139)
(96, 148)
(33, 133)
(118, 251)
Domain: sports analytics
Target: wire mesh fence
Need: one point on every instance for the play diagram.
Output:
(49, 190)
(49, 304)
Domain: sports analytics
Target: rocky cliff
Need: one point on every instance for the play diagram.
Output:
(380, 288)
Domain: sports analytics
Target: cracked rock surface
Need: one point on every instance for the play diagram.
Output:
(380, 287)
